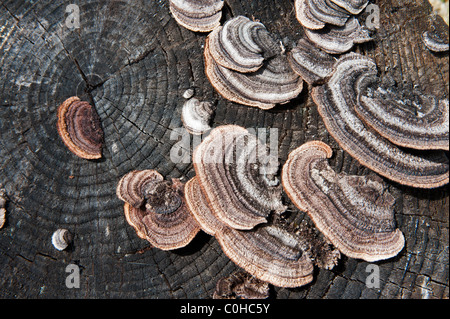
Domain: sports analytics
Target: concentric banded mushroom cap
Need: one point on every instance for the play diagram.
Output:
(415, 120)
(354, 212)
(196, 116)
(336, 101)
(2, 216)
(61, 239)
(274, 83)
(315, 14)
(352, 6)
(312, 64)
(237, 178)
(269, 253)
(242, 45)
(338, 40)
(197, 15)
(134, 185)
(163, 231)
(79, 127)
(328, 12)
(162, 218)
(199, 207)
(433, 42)
(305, 16)
(164, 197)
(3, 199)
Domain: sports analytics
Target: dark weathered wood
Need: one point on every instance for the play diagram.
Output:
(133, 62)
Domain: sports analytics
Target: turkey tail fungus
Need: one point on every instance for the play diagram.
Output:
(157, 211)
(79, 127)
(355, 213)
(336, 102)
(197, 15)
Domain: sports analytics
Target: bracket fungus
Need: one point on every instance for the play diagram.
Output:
(414, 121)
(133, 186)
(199, 207)
(312, 64)
(269, 253)
(273, 83)
(197, 15)
(354, 212)
(316, 246)
(189, 93)
(241, 285)
(236, 177)
(242, 45)
(79, 127)
(2, 207)
(196, 116)
(157, 209)
(306, 17)
(2, 217)
(337, 40)
(231, 198)
(315, 14)
(61, 239)
(433, 42)
(336, 101)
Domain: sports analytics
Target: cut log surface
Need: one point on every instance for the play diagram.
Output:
(133, 62)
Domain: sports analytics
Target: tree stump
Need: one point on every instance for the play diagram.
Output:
(133, 62)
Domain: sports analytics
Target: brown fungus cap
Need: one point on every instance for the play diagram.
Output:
(237, 177)
(163, 218)
(354, 212)
(269, 253)
(198, 205)
(316, 246)
(62, 239)
(163, 231)
(133, 186)
(3, 200)
(197, 15)
(434, 42)
(242, 45)
(328, 12)
(164, 197)
(311, 63)
(79, 127)
(412, 120)
(2, 217)
(305, 16)
(337, 40)
(196, 116)
(315, 14)
(274, 83)
(336, 101)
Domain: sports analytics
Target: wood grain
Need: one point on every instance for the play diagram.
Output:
(133, 63)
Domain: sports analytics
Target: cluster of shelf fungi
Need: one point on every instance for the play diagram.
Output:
(236, 195)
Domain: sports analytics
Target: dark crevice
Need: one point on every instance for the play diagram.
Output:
(46, 256)
(10, 13)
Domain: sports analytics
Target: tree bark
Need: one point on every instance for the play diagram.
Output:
(133, 62)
